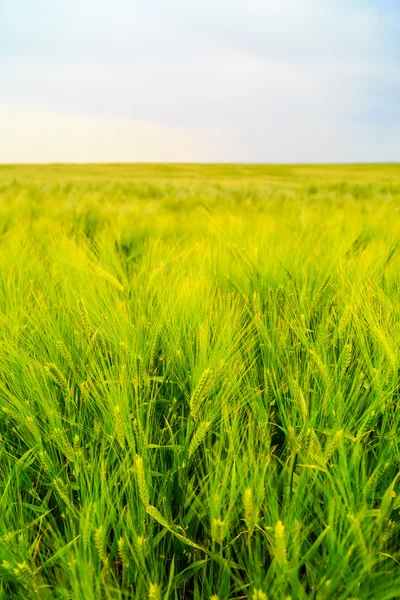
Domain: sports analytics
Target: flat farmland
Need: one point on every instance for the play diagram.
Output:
(199, 382)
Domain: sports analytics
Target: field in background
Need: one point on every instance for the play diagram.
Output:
(199, 382)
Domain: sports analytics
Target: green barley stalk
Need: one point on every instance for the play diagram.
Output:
(198, 436)
(119, 427)
(199, 391)
(56, 375)
(123, 552)
(100, 543)
(250, 511)
(141, 481)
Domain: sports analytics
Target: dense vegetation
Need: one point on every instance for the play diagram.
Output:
(199, 382)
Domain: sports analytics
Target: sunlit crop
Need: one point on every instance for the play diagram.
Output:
(199, 382)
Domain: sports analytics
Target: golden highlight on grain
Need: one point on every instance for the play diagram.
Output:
(154, 592)
(218, 531)
(250, 511)
(280, 544)
(141, 480)
(259, 595)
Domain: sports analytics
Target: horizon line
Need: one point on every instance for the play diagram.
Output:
(198, 163)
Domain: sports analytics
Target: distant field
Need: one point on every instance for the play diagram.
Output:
(199, 382)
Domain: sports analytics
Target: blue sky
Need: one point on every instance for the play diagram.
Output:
(216, 80)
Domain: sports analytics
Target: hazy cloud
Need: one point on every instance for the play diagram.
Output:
(284, 80)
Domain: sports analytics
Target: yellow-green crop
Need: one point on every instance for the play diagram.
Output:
(199, 382)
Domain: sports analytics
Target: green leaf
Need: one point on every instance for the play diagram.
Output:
(187, 573)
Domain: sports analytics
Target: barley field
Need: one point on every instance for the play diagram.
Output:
(199, 382)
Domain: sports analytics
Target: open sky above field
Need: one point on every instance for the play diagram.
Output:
(210, 81)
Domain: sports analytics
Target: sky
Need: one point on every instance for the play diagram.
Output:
(267, 81)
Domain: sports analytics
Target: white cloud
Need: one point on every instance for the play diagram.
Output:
(255, 71)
